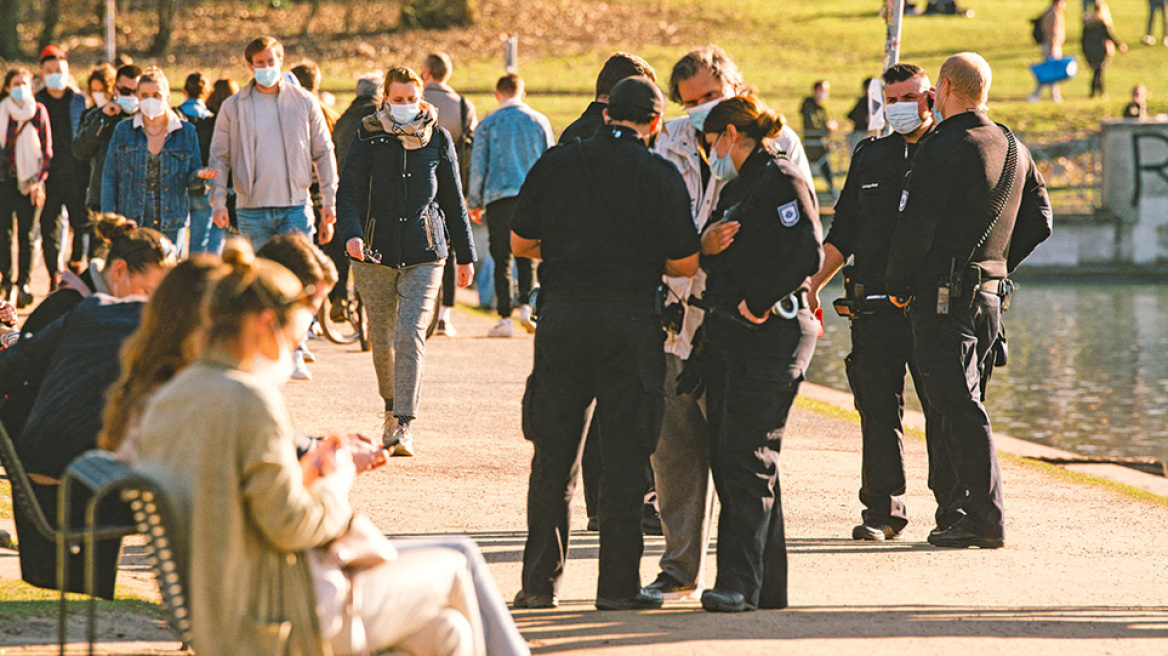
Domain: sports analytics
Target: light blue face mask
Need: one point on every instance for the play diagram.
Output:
(21, 94)
(697, 115)
(722, 167)
(267, 77)
(129, 104)
(55, 81)
(402, 114)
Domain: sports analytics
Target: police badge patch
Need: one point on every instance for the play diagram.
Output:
(789, 214)
(903, 199)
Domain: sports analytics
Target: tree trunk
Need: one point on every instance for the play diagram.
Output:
(9, 36)
(439, 14)
(166, 15)
(314, 7)
(51, 20)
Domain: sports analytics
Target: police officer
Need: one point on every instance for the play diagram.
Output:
(865, 217)
(758, 251)
(973, 208)
(608, 219)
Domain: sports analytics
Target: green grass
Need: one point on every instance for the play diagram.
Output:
(21, 600)
(1061, 473)
(5, 500)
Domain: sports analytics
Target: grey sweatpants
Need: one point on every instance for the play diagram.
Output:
(398, 303)
(681, 470)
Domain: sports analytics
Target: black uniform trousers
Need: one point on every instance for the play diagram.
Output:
(752, 378)
(881, 351)
(62, 190)
(14, 202)
(950, 351)
(498, 219)
(610, 352)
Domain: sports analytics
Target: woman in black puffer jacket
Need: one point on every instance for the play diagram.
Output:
(400, 200)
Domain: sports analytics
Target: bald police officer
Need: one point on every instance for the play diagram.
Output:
(608, 219)
(973, 208)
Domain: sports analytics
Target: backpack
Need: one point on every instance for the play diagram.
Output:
(464, 144)
(1036, 31)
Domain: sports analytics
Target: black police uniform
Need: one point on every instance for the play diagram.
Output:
(608, 213)
(865, 218)
(945, 213)
(752, 375)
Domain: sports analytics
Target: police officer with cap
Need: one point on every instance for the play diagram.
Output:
(865, 217)
(973, 208)
(608, 219)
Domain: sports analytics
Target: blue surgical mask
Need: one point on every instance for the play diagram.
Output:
(22, 93)
(697, 115)
(267, 77)
(129, 104)
(55, 81)
(402, 114)
(904, 117)
(722, 167)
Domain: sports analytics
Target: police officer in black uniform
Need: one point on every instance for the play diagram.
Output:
(865, 217)
(973, 208)
(762, 243)
(608, 219)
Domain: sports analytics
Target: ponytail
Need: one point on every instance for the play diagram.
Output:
(252, 285)
(748, 115)
(139, 248)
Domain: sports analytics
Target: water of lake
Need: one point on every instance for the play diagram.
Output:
(1088, 367)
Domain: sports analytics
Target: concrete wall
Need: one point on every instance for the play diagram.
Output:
(1135, 190)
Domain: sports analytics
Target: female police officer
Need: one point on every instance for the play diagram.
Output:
(758, 252)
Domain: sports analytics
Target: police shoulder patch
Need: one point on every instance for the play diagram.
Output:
(789, 214)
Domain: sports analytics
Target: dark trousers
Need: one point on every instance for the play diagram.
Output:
(591, 468)
(751, 382)
(14, 202)
(950, 351)
(881, 351)
(449, 282)
(61, 190)
(498, 218)
(610, 352)
(1096, 81)
(823, 167)
(335, 250)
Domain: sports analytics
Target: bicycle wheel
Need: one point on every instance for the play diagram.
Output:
(340, 332)
(361, 322)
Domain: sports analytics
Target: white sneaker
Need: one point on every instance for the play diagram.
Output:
(404, 445)
(445, 328)
(1034, 97)
(309, 356)
(388, 428)
(525, 319)
(505, 328)
(299, 368)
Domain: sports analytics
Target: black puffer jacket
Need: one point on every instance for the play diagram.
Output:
(404, 204)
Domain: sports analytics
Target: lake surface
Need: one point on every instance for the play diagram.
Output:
(1088, 368)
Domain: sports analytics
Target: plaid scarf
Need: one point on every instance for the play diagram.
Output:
(415, 134)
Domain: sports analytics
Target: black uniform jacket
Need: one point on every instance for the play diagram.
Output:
(869, 206)
(608, 213)
(945, 207)
(778, 244)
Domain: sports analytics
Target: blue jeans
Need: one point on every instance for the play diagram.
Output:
(259, 224)
(206, 237)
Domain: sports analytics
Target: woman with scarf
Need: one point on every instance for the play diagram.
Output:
(400, 196)
(153, 163)
(27, 145)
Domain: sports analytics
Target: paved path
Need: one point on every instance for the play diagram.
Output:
(1085, 570)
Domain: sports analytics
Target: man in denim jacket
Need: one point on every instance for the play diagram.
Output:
(507, 144)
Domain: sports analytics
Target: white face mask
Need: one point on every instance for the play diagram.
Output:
(99, 98)
(406, 113)
(904, 117)
(151, 107)
(698, 114)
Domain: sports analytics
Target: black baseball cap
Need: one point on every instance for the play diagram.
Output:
(637, 93)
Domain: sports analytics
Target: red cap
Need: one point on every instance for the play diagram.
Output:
(52, 51)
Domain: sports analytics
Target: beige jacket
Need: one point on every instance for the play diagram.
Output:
(307, 142)
(220, 443)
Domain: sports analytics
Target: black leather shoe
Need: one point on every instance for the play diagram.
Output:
(646, 599)
(593, 524)
(23, 297)
(875, 532)
(651, 523)
(719, 601)
(956, 537)
(671, 588)
(525, 600)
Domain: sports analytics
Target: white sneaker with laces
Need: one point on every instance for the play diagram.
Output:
(299, 368)
(404, 440)
(525, 319)
(505, 328)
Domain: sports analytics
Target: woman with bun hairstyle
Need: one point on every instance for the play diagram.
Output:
(254, 518)
(62, 372)
(26, 150)
(130, 260)
(153, 163)
(400, 200)
(759, 248)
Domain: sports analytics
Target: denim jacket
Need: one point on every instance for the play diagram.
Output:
(507, 144)
(123, 186)
(405, 204)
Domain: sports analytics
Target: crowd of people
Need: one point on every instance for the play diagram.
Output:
(680, 267)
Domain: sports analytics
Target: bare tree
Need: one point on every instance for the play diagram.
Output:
(439, 14)
(167, 12)
(52, 18)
